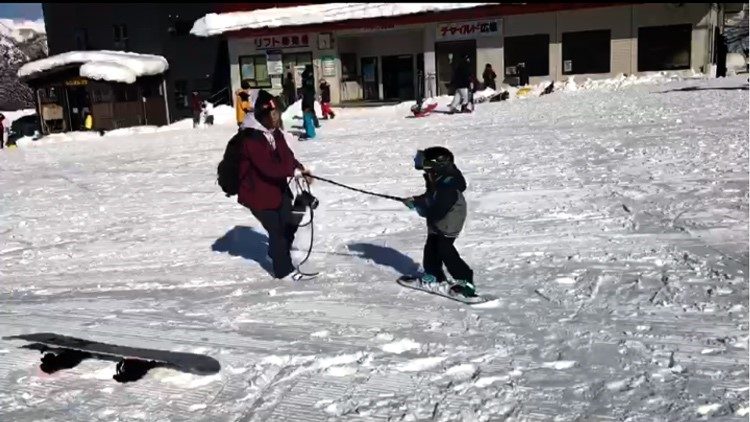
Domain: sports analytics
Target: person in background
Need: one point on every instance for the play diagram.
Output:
(207, 113)
(325, 99)
(461, 81)
(290, 90)
(2, 131)
(242, 104)
(489, 77)
(88, 119)
(195, 106)
(523, 74)
(308, 94)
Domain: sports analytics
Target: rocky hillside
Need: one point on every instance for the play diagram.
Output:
(20, 42)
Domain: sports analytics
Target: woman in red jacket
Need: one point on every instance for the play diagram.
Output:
(266, 163)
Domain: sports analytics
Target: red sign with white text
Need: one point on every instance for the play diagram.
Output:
(473, 29)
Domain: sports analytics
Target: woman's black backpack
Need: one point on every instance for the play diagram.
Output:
(228, 171)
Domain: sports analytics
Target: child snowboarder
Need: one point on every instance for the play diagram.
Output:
(444, 207)
(325, 99)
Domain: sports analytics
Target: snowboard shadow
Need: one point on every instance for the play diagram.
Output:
(383, 255)
(245, 242)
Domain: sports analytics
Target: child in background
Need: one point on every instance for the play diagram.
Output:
(325, 99)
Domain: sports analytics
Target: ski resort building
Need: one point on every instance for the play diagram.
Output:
(382, 51)
(98, 90)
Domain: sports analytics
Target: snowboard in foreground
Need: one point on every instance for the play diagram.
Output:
(441, 289)
(63, 352)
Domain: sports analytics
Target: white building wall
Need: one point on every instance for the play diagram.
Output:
(533, 24)
(697, 14)
(430, 71)
(622, 21)
(490, 50)
(405, 40)
(246, 47)
(616, 19)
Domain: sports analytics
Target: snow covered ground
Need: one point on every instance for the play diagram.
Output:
(612, 224)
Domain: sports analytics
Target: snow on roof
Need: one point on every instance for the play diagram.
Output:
(113, 66)
(214, 24)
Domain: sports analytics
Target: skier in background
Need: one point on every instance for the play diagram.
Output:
(325, 99)
(310, 120)
(444, 207)
(290, 90)
(196, 106)
(461, 81)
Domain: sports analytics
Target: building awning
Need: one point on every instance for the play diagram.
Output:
(215, 24)
(103, 65)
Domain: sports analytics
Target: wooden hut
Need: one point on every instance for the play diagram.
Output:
(98, 90)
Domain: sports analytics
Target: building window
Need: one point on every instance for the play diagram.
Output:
(124, 93)
(586, 52)
(120, 32)
(291, 60)
(532, 50)
(254, 70)
(664, 47)
(348, 67)
(81, 39)
(181, 94)
(101, 93)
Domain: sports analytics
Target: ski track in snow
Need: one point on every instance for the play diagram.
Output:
(611, 225)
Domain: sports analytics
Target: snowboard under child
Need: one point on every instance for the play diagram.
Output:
(444, 207)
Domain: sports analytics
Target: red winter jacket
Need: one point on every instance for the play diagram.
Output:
(264, 170)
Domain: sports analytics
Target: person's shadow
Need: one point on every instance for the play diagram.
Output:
(245, 242)
(383, 255)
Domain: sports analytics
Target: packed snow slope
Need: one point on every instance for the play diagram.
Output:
(612, 225)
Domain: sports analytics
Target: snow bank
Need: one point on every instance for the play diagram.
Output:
(214, 24)
(10, 116)
(114, 66)
(224, 115)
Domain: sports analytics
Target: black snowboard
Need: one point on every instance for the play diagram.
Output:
(63, 352)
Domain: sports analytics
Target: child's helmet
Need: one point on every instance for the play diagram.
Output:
(433, 159)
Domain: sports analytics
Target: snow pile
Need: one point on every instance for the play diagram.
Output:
(214, 24)
(224, 115)
(10, 116)
(621, 81)
(113, 66)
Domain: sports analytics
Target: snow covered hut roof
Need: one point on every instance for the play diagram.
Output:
(215, 24)
(113, 66)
